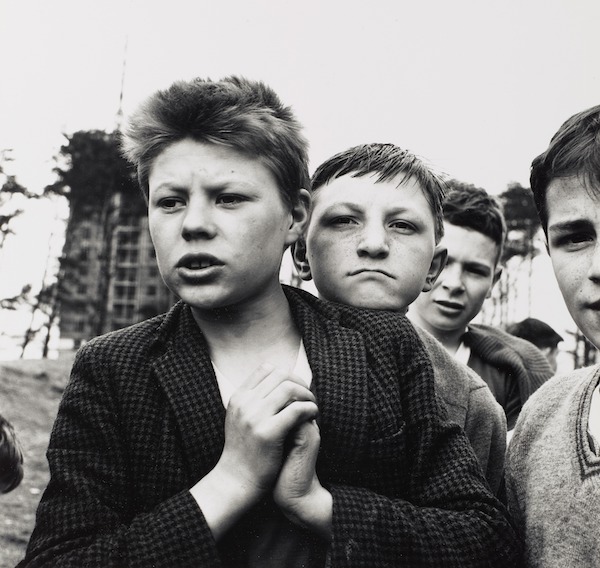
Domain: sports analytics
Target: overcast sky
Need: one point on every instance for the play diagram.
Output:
(475, 87)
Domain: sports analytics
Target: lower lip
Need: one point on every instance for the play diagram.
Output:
(372, 273)
(199, 274)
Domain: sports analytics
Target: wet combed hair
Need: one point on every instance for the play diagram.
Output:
(474, 208)
(573, 151)
(244, 115)
(387, 161)
(535, 331)
(11, 458)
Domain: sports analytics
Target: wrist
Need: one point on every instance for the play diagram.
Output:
(313, 511)
(223, 498)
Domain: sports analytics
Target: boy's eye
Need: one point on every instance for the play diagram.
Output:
(170, 202)
(230, 199)
(343, 220)
(574, 240)
(403, 226)
(478, 271)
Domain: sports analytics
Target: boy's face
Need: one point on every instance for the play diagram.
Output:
(573, 230)
(465, 282)
(370, 244)
(218, 224)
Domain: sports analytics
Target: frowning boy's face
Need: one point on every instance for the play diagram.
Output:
(370, 244)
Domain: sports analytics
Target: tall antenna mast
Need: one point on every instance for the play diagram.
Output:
(119, 118)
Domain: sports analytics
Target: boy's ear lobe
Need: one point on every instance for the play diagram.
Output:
(440, 256)
(300, 260)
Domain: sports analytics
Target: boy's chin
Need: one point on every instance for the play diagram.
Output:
(206, 302)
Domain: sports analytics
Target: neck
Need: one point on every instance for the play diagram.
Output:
(253, 325)
(450, 339)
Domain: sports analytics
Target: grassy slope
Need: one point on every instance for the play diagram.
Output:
(29, 395)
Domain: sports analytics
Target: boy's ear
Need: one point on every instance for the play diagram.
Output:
(300, 260)
(300, 215)
(497, 276)
(440, 256)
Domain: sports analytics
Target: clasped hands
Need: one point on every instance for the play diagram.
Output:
(271, 445)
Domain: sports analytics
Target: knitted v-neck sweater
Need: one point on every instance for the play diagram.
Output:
(553, 476)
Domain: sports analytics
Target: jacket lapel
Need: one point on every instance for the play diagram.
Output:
(185, 372)
(337, 358)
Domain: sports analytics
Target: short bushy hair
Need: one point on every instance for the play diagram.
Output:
(386, 161)
(474, 208)
(244, 115)
(573, 151)
(11, 458)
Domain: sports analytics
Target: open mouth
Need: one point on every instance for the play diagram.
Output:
(198, 261)
(449, 305)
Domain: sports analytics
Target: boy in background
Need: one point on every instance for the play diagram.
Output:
(372, 242)
(540, 334)
(191, 439)
(553, 462)
(474, 233)
(11, 457)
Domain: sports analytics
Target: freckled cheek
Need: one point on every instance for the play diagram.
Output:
(567, 278)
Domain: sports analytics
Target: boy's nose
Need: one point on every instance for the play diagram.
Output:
(198, 222)
(451, 278)
(594, 269)
(373, 242)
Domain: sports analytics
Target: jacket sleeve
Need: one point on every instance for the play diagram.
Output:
(86, 516)
(444, 514)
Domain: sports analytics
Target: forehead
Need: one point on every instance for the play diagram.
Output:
(468, 245)
(571, 199)
(187, 159)
(366, 192)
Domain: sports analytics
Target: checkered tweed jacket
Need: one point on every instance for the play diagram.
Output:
(142, 420)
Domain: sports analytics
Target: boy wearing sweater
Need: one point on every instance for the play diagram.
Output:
(475, 230)
(553, 463)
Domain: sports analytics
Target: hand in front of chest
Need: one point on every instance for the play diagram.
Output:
(298, 491)
(261, 414)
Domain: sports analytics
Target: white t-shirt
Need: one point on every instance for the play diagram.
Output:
(301, 370)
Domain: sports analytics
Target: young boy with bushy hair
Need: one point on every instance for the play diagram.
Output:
(253, 424)
(553, 462)
(11, 457)
(372, 242)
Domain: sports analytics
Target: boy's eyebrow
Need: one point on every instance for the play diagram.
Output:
(175, 184)
(358, 207)
(349, 204)
(570, 226)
